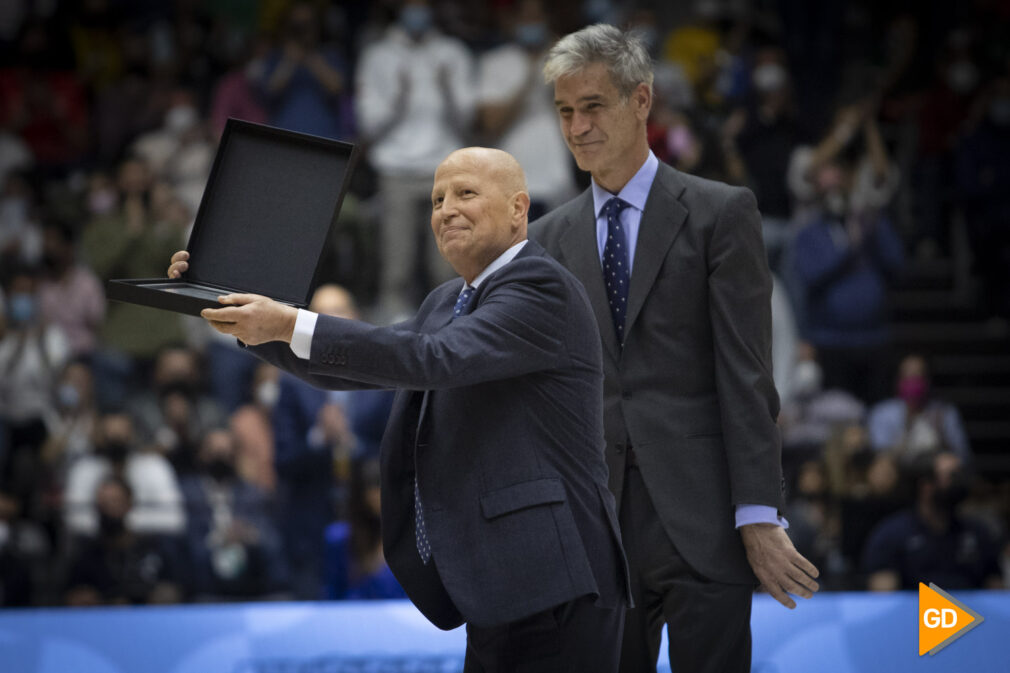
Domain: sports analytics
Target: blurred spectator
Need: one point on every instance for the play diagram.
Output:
(23, 550)
(757, 143)
(20, 232)
(810, 413)
(126, 240)
(303, 81)
(121, 566)
(354, 567)
(73, 421)
(414, 103)
(516, 111)
(42, 100)
(254, 433)
(931, 542)
(70, 295)
(14, 154)
(846, 255)
(235, 93)
(982, 166)
(176, 413)
(32, 355)
(942, 113)
(913, 423)
(694, 45)
(179, 152)
(314, 447)
(232, 543)
(156, 504)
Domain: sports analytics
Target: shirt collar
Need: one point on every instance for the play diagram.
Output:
(636, 192)
(498, 263)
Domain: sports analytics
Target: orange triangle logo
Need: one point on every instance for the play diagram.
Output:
(942, 619)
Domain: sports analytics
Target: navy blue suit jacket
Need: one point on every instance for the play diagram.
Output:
(507, 445)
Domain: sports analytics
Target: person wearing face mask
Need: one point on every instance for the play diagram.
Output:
(515, 109)
(231, 541)
(32, 354)
(304, 82)
(318, 433)
(414, 104)
(70, 294)
(757, 141)
(74, 419)
(254, 433)
(931, 541)
(120, 566)
(914, 423)
(157, 501)
(846, 255)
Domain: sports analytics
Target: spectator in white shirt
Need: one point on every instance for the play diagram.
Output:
(158, 506)
(414, 103)
(516, 109)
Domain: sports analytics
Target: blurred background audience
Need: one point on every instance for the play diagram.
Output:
(146, 459)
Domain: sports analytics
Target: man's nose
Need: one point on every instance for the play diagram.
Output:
(581, 124)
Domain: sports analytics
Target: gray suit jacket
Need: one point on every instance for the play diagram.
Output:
(507, 445)
(691, 390)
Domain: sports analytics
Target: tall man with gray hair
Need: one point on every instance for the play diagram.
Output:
(675, 270)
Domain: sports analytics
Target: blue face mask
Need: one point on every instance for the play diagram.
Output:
(21, 308)
(531, 34)
(68, 396)
(415, 19)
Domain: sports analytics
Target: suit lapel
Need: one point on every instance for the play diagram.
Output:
(661, 222)
(582, 257)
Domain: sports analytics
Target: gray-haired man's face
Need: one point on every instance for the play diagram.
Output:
(600, 127)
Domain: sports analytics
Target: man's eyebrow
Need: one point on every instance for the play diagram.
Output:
(583, 99)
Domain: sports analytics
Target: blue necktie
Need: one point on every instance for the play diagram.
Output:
(616, 273)
(462, 307)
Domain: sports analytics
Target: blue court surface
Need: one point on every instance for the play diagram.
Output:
(832, 633)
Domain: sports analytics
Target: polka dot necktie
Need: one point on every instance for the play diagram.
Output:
(616, 274)
(461, 308)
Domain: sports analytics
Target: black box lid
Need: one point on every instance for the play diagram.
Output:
(270, 201)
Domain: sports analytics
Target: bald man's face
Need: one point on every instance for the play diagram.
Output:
(476, 215)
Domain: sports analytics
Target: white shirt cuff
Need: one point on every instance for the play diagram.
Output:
(301, 338)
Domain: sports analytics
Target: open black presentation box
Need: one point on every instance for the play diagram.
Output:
(263, 222)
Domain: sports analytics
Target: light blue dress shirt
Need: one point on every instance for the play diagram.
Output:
(636, 193)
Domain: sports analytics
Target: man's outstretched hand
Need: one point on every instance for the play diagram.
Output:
(779, 567)
(252, 318)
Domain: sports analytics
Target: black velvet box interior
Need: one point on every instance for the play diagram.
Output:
(265, 215)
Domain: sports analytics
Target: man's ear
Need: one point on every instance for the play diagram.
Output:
(520, 207)
(641, 98)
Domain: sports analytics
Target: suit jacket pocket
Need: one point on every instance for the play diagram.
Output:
(520, 496)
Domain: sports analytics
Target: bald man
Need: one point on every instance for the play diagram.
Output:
(495, 507)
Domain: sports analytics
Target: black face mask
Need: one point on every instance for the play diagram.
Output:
(947, 499)
(220, 469)
(116, 451)
(111, 526)
(181, 387)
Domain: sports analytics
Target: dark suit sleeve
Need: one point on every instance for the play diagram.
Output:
(279, 354)
(517, 328)
(740, 310)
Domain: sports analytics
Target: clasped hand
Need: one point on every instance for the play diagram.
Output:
(251, 318)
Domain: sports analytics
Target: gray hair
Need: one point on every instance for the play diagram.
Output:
(623, 53)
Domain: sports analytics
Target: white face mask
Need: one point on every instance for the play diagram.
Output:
(807, 378)
(962, 77)
(180, 119)
(769, 77)
(267, 393)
